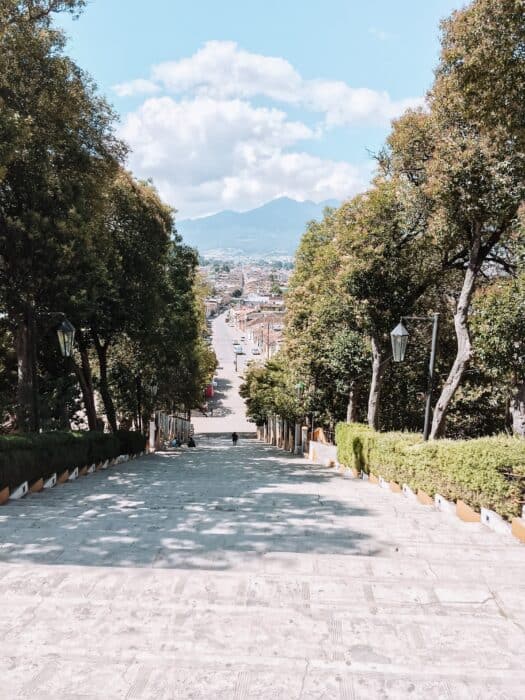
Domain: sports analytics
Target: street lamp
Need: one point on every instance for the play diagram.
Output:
(399, 337)
(66, 337)
(299, 390)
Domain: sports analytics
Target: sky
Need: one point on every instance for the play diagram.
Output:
(227, 105)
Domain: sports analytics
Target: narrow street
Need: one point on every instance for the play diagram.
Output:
(229, 412)
(236, 573)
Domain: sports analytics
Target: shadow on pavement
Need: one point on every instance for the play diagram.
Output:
(205, 508)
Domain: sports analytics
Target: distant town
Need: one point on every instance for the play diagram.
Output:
(254, 291)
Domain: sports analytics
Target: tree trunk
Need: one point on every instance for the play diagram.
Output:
(102, 352)
(28, 418)
(517, 410)
(138, 387)
(85, 379)
(464, 349)
(378, 373)
(351, 408)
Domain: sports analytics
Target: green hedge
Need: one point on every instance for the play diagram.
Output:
(29, 457)
(488, 472)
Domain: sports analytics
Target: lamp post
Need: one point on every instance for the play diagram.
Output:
(66, 337)
(299, 391)
(28, 414)
(399, 337)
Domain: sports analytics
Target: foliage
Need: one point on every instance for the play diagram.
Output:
(268, 391)
(443, 216)
(486, 472)
(498, 322)
(81, 236)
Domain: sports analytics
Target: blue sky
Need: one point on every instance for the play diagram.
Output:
(229, 104)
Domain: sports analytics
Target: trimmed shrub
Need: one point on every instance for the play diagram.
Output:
(32, 456)
(131, 442)
(488, 472)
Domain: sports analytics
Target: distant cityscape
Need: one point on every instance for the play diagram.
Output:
(254, 291)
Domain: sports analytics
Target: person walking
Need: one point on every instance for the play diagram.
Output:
(235, 438)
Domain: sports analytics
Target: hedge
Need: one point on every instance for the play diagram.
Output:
(486, 472)
(32, 456)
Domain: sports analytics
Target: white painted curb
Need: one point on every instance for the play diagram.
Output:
(364, 476)
(443, 505)
(73, 475)
(91, 469)
(495, 522)
(384, 483)
(52, 481)
(407, 491)
(20, 492)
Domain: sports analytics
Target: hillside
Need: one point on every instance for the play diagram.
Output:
(276, 226)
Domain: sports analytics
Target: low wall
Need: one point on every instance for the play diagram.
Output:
(321, 453)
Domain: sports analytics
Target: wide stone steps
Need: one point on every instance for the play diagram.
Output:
(252, 576)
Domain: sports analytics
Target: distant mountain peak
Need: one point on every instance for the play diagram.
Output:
(275, 226)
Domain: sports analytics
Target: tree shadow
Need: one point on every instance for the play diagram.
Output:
(217, 401)
(213, 507)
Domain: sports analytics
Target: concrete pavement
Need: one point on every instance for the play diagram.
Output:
(229, 411)
(245, 572)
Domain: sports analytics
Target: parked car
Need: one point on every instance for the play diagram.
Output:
(256, 351)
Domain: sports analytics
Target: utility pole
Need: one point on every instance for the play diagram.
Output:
(268, 342)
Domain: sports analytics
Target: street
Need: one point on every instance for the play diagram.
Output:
(228, 407)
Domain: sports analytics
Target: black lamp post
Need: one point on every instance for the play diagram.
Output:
(66, 337)
(299, 391)
(399, 337)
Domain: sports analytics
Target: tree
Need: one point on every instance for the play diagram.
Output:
(56, 146)
(476, 175)
(268, 391)
(498, 321)
(387, 267)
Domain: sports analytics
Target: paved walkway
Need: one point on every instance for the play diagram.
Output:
(247, 573)
(229, 410)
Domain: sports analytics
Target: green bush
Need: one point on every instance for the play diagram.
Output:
(488, 472)
(131, 442)
(32, 456)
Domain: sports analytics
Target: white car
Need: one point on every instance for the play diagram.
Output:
(256, 351)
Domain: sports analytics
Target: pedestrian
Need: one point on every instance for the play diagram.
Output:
(235, 438)
(191, 442)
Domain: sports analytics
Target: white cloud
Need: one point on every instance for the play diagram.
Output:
(220, 69)
(208, 154)
(208, 146)
(136, 87)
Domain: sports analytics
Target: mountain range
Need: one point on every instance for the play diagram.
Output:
(274, 227)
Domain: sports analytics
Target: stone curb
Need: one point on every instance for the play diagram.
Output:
(37, 486)
(460, 509)
(68, 475)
